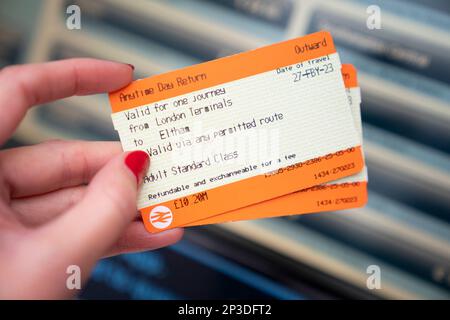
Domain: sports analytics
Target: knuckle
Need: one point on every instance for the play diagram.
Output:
(75, 166)
(77, 163)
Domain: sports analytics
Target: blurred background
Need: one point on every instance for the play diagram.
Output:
(404, 72)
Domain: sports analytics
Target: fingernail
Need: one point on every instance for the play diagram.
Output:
(131, 66)
(137, 162)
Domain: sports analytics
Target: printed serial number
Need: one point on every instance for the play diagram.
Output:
(329, 202)
(325, 173)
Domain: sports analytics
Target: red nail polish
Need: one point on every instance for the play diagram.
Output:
(137, 162)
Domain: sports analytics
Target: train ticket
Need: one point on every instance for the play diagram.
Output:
(220, 133)
(345, 193)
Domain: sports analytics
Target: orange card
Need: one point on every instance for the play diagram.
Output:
(346, 193)
(235, 131)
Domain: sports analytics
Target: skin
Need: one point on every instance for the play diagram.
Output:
(63, 203)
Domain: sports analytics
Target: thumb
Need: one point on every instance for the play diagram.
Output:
(85, 232)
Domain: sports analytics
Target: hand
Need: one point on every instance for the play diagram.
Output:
(64, 203)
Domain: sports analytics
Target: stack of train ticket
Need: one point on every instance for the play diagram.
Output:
(266, 133)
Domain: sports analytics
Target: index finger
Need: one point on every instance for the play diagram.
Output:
(22, 86)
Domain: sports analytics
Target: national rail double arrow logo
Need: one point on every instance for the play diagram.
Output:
(161, 217)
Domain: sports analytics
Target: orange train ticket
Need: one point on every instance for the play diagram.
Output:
(221, 133)
(346, 193)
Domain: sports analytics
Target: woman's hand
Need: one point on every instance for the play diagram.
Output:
(64, 203)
